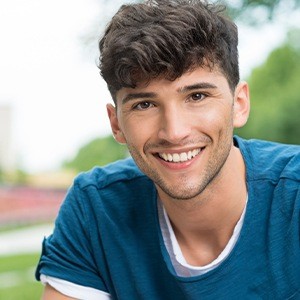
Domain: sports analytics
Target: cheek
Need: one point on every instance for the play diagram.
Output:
(135, 136)
(217, 122)
(215, 118)
(138, 130)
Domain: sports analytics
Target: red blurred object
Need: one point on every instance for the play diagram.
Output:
(27, 205)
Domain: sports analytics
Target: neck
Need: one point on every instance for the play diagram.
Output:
(206, 222)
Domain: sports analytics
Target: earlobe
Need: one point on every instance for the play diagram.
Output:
(241, 105)
(114, 124)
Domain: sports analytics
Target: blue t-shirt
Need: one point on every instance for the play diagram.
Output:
(107, 235)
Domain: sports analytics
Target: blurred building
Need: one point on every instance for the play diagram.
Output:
(7, 157)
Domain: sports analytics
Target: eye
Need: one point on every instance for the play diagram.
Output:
(143, 105)
(197, 96)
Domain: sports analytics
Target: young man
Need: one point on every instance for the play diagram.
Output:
(197, 213)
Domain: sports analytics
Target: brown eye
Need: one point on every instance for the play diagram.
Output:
(143, 105)
(197, 96)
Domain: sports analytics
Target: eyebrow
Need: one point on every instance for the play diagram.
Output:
(201, 85)
(133, 96)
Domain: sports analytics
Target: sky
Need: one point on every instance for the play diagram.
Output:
(49, 75)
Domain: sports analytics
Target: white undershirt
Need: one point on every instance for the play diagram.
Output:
(75, 290)
(182, 268)
(179, 263)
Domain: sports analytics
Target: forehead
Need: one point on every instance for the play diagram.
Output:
(161, 85)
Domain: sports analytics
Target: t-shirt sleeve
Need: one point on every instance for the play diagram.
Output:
(67, 253)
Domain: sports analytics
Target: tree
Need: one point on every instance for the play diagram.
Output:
(260, 11)
(98, 152)
(275, 95)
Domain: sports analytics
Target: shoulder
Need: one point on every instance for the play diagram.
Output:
(101, 177)
(116, 179)
(113, 188)
(270, 160)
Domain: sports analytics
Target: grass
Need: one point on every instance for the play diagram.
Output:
(12, 227)
(17, 277)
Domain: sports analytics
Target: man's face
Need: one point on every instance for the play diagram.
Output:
(179, 132)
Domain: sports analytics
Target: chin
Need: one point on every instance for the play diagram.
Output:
(182, 195)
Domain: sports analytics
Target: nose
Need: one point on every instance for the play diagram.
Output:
(175, 125)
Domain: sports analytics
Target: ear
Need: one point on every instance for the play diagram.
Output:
(241, 105)
(114, 124)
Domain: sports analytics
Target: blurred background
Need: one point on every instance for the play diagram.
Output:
(53, 120)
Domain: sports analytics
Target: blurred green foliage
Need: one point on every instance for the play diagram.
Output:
(98, 152)
(254, 12)
(15, 177)
(275, 95)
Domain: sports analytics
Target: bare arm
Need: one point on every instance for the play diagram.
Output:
(52, 294)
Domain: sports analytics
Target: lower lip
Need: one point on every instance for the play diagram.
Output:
(180, 165)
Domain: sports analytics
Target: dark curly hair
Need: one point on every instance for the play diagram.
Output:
(167, 37)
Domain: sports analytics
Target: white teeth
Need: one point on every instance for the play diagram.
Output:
(183, 157)
(180, 157)
(164, 156)
(176, 157)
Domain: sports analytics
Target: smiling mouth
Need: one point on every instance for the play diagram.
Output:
(180, 157)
